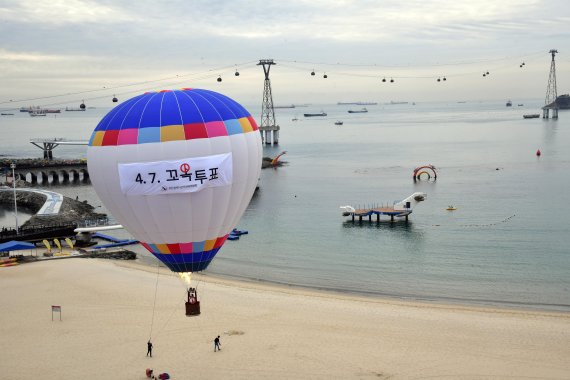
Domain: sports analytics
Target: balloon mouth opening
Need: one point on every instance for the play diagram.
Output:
(186, 277)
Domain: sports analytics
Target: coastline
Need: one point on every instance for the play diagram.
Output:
(250, 284)
(432, 301)
(267, 330)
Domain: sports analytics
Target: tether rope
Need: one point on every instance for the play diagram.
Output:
(154, 303)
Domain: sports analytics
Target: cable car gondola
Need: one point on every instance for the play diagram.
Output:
(383, 79)
(391, 80)
(115, 100)
(82, 105)
(219, 79)
(313, 73)
(325, 76)
(236, 73)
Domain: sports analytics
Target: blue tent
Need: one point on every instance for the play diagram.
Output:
(15, 246)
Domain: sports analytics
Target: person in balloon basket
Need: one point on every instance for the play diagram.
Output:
(149, 349)
(217, 344)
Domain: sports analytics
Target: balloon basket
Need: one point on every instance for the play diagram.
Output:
(192, 305)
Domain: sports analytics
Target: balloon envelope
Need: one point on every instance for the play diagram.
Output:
(177, 169)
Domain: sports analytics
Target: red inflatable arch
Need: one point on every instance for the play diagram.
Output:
(427, 171)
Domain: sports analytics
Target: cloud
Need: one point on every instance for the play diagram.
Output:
(125, 40)
(61, 12)
(29, 56)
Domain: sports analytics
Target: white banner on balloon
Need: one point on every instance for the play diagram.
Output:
(180, 176)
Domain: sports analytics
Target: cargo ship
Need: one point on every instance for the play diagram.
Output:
(357, 103)
(364, 110)
(39, 110)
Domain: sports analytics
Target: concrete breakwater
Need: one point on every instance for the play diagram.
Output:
(119, 254)
(38, 163)
(28, 163)
(42, 171)
(35, 171)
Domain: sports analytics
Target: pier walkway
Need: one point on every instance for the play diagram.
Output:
(402, 209)
(360, 213)
(48, 144)
(52, 204)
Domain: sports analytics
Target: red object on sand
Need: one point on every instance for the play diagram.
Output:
(538, 152)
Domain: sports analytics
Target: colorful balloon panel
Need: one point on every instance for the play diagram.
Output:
(174, 131)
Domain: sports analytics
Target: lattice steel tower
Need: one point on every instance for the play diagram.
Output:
(268, 128)
(551, 92)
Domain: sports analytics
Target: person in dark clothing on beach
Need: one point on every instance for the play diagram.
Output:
(217, 344)
(149, 349)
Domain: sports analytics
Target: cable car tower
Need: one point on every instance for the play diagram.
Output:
(551, 93)
(268, 128)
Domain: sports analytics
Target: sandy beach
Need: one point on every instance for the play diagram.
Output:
(266, 332)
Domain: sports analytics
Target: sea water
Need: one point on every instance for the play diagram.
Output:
(506, 244)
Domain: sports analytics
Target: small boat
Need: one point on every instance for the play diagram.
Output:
(451, 208)
(363, 110)
(509, 103)
(38, 113)
(7, 114)
(314, 114)
(235, 234)
(531, 116)
(520, 105)
(338, 122)
(294, 119)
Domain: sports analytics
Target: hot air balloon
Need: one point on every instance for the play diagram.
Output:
(177, 169)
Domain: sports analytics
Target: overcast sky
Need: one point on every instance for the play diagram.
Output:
(128, 47)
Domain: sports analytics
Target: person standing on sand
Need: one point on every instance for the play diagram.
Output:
(149, 349)
(217, 344)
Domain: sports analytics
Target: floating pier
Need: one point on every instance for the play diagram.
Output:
(400, 209)
(361, 213)
(116, 242)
